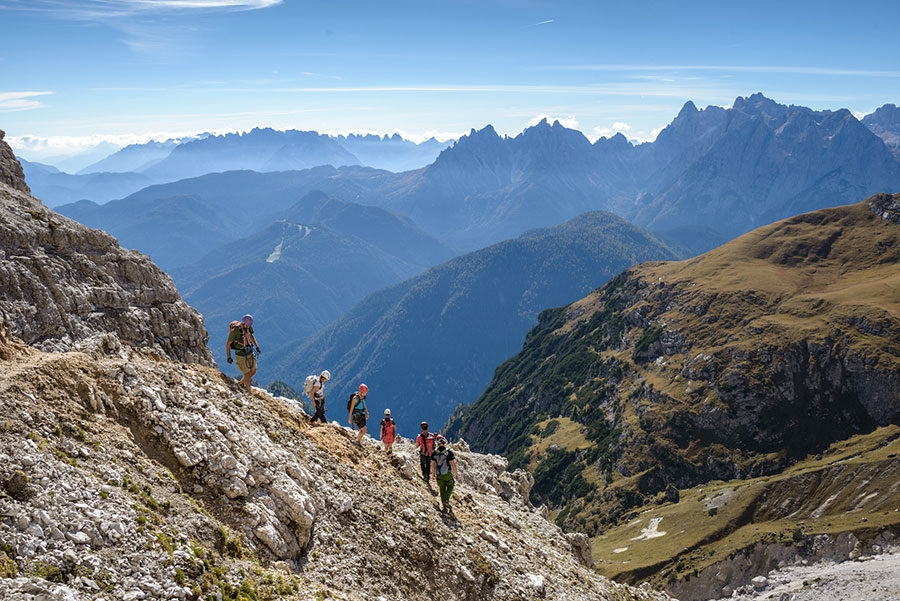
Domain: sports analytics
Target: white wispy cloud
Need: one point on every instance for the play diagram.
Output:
(617, 128)
(141, 21)
(792, 70)
(568, 121)
(20, 101)
(43, 146)
(103, 10)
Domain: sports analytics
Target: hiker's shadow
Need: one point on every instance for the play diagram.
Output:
(449, 518)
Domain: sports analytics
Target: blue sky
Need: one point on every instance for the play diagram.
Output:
(77, 72)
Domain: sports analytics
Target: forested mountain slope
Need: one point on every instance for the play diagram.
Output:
(731, 365)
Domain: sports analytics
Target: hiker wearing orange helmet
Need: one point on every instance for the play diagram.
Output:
(357, 412)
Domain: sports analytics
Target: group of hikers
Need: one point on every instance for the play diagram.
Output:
(435, 456)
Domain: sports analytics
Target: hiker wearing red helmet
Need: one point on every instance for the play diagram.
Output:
(357, 412)
(425, 442)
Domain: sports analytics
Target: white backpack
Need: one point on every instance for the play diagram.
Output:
(308, 385)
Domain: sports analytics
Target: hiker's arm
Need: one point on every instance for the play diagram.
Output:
(228, 348)
(453, 467)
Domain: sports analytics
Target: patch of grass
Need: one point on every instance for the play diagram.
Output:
(230, 545)
(165, 542)
(46, 571)
(8, 568)
(482, 567)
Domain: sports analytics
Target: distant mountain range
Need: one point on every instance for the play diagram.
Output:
(430, 343)
(263, 150)
(180, 222)
(731, 365)
(305, 270)
(711, 175)
(759, 162)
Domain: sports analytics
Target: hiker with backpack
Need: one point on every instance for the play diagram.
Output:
(242, 341)
(314, 388)
(357, 412)
(388, 431)
(425, 442)
(444, 463)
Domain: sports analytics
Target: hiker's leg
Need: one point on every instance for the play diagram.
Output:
(442, 487)
(247, 366)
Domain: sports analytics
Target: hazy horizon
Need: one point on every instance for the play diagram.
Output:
(77, 73)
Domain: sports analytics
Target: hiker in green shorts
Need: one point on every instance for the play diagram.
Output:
(443, 462)
(242, 340)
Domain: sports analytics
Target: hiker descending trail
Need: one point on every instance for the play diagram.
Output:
(444, 463)
(357, 412)
(242, 340)
(388, 431)
(425, 442)
(314, 388)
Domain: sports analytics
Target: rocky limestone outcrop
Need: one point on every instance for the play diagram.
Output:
(11, 172)
(131, 477)
(887, 206)
(66, 286)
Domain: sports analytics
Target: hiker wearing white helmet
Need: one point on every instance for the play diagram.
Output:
(357, 412)
(242, 341)
(317, 394)
(388, 431)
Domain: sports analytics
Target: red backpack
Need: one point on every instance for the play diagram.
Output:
(427, 439)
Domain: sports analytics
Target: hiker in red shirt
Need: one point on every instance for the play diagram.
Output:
(388, 431)
(425, 442)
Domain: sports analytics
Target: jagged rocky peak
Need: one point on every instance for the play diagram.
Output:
(885, 123)
(67, 286)
(885, 118)
(11, 172)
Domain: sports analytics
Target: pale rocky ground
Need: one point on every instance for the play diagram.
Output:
(129, 476)
(867, 578)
